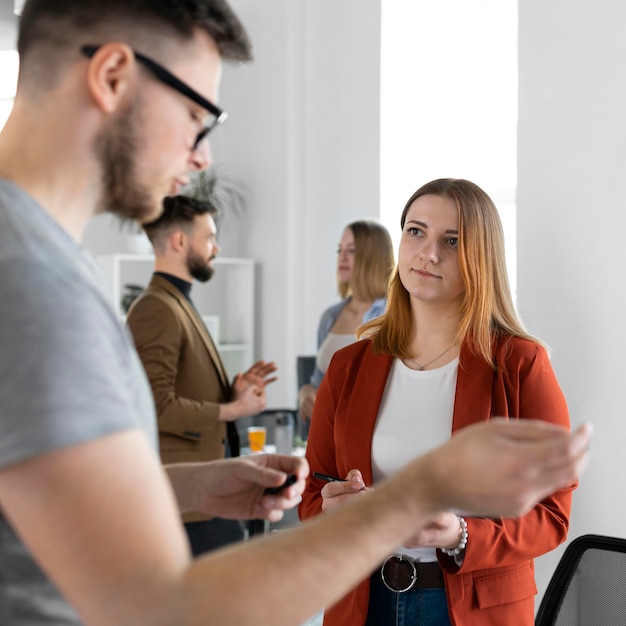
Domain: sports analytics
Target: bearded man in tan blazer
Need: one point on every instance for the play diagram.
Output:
(195, 402)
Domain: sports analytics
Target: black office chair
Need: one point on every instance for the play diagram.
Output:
(587, 587)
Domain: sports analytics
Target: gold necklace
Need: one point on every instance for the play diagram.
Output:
(420, 368)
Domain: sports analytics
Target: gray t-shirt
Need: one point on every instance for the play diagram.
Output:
(69, 374)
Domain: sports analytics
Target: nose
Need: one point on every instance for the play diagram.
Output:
(201, 157)
(430, 252)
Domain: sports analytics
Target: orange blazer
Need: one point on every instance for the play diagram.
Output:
(186, 374)
(495, 584)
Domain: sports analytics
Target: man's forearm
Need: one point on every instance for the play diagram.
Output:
(182, 477)
(293, 574)
(177, 415)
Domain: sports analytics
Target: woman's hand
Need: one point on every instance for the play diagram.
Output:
(339, 492)
(306, 400)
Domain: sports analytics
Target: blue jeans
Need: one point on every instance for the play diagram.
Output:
(416, 607)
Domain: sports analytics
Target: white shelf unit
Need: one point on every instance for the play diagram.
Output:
(228, 296)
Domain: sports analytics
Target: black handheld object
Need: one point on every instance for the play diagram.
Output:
(291, 479)
(327, 478)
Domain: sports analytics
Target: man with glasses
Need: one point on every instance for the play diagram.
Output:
(114, 102)
(215, 115)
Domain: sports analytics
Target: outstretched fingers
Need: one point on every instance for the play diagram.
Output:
(564, 458)
(505, 467)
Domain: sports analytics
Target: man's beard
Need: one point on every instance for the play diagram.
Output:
(198, 267)
(117, 147)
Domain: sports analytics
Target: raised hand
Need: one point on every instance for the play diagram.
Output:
(256, 375)
(501, 467)
(249, 401)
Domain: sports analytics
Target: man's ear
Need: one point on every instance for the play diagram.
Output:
(111, 72)
(178, 240)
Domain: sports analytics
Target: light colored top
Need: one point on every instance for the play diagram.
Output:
(415, 416)
(329, 317)
(330, 345)
(70, 374)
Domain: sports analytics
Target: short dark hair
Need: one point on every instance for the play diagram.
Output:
(178, 211)
(51, 32)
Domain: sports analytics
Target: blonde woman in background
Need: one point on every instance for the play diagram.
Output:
(365, 261)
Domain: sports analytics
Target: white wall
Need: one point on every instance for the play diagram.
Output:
(303, 135)
(571, 217)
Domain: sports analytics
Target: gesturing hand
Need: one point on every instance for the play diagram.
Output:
(501, 467)
(256, 375)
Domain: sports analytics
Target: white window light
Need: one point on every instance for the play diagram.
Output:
(8, 79)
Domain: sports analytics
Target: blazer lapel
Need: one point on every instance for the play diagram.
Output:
(195, 318)
(369, 382)
(162, 284)
(476, 386)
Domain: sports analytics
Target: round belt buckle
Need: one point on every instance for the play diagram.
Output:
(398, 573)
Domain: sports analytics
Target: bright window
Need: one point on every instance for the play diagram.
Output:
(449, 102)
(8, 79)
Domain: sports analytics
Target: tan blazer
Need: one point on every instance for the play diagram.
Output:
(186, 374)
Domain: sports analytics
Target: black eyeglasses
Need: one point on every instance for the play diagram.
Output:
(159, 72)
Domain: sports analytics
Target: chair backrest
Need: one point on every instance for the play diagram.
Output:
(587, 587)
(305, 366)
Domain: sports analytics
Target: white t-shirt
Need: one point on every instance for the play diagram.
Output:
(414, 417)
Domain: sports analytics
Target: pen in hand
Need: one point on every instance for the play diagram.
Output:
(327, 478)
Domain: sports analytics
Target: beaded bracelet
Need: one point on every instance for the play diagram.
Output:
(462, 541)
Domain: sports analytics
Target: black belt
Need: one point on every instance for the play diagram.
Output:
(401, 573)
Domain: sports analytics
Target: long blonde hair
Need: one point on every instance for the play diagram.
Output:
(487, 309)
(373, 261)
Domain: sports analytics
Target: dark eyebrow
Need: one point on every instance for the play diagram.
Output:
(424, 225)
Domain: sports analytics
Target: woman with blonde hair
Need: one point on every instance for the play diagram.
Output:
(364, 263)
(449, 351)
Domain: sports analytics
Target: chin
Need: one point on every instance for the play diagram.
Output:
(152, 211)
